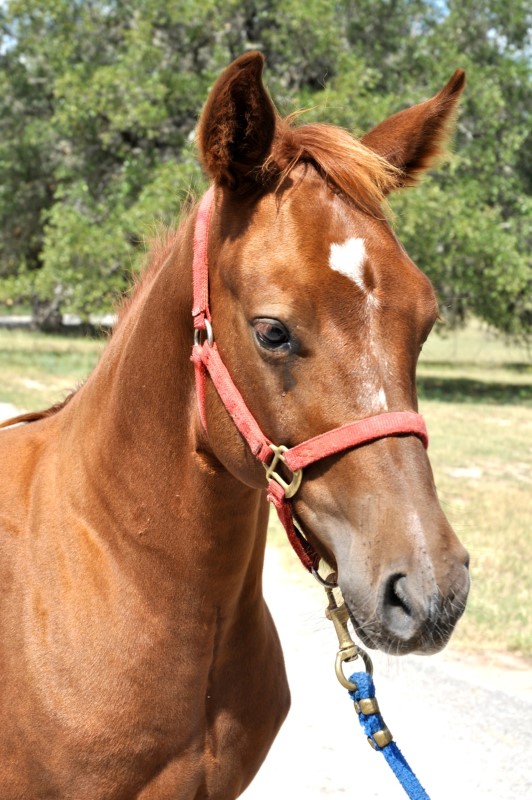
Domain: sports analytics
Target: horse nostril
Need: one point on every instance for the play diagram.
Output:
(414, 611)
(396, 594)
(404, 607)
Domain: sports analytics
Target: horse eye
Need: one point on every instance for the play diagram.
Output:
(271, 334)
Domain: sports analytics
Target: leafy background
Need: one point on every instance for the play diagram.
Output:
(99, 100)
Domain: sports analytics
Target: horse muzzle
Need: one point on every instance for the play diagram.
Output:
(411, 612)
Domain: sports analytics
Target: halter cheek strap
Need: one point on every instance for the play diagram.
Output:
(278, 460)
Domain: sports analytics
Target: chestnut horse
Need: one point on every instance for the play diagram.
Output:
(138, 657)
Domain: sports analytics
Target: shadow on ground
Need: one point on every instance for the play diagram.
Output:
(470, 390)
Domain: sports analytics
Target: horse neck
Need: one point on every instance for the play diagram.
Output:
(144, 446)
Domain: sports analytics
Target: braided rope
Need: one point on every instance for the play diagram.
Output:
(376, 730)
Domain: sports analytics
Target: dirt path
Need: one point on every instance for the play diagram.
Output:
(465, 726)
(464, 723)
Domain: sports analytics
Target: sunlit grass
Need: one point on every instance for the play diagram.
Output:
(476, 395)
(482, 460)
(474, 365)
(37, 370)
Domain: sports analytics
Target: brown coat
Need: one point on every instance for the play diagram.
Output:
(137, 655)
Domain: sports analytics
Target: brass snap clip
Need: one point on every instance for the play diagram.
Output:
(290, 486)
(349, 651)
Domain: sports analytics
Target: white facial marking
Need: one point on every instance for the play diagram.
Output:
(348, 259)
(381, 399)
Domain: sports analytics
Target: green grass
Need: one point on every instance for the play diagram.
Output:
(37, 370)
(474, 366)
(481, 456)
(476, 395)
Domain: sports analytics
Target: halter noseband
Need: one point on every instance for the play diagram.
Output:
(207, 359)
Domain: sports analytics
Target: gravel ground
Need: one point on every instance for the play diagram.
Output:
(464, 725)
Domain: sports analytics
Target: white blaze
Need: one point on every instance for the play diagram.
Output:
(382, 400)
(348, 259)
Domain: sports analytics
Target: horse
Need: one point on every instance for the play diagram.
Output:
(278, 327)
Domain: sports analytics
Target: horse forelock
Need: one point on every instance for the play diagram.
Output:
(356, 171)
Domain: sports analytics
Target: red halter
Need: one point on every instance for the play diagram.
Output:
(207, 359)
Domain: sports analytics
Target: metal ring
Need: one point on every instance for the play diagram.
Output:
(323, 581)
(290, 487)
(208, 331)
(210, 334)
(349, 685)
(341, 657)
(368, 663)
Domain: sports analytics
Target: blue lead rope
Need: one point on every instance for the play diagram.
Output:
(380, 737)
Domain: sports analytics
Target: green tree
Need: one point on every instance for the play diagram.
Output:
(483, 261)
(99, 103)
(469, 226)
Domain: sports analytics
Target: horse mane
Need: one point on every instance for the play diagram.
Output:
(157, 251)
(158, 248)
(32, 416)
(357, 172)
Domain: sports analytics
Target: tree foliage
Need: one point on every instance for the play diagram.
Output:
(99, 101)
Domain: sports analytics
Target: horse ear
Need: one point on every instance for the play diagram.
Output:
(413, 139)
(237, 126)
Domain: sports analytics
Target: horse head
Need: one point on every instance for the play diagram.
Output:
(320, 315)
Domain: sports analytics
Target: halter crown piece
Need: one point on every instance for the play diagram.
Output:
(207, 361)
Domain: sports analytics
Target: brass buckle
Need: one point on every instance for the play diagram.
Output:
(290, 487)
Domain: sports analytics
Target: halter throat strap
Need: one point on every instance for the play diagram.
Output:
(283, 465)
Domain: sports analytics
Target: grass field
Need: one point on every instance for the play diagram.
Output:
(476, 395)
(37, 370)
